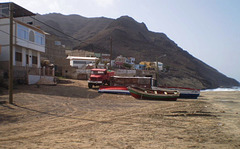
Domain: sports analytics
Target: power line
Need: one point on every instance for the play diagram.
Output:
(93, 46)
(61, 32)
(48, 47)
(57, 30)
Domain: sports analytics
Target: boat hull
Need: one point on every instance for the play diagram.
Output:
(188, 96)
(142, 95)
(114, 90)
(187, 93)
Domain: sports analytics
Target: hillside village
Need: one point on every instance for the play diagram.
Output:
(38, 54)
(43, 46)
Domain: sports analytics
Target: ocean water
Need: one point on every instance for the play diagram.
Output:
(235, 88)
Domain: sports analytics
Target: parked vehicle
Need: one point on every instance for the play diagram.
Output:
(99, 77)
(151, 94)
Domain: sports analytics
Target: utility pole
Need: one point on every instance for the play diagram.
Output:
(10, 86)
(110, 52)
(157, 70)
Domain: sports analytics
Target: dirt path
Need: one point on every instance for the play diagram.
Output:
(72, 116)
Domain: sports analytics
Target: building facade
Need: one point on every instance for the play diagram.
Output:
(82, 62)
(28, 44)
(152, 65)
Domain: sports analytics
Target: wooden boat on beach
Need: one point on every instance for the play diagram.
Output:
(189, 93)
(114, 89)
(152, 94)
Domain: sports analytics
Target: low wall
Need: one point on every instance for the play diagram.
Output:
(125, 72)
(143, 73)
(83, 74)
(34, 79)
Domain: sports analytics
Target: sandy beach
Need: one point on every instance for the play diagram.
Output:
(70, 115)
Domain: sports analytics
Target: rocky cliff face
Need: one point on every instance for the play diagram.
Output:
(131, 38)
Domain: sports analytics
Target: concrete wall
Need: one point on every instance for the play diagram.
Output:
(4, 56)
(33, 79)
(4, 36)
(143, 73)
(34, 46)
(125, 72)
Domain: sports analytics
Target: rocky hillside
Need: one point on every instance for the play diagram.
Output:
(78, 27)
(131, 38)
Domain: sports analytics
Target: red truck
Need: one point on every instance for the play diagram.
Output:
(99, 77)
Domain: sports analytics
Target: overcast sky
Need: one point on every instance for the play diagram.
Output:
(207, 29)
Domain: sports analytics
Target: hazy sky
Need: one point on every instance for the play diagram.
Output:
(207, 29)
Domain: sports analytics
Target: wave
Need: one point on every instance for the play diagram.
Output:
(235, 88)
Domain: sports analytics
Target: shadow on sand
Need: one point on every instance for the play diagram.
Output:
(58, 90)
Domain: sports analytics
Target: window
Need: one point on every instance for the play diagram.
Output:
(34, 59)
(79, 62)
(31, 36)
(22, 32)
(18, 56)
(27, 62)
(98, 72)
(4, 10)
(57, 43)
(39, 38)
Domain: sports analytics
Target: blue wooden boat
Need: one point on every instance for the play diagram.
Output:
(189, 93)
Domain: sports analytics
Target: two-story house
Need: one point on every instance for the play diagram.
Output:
(28, 43)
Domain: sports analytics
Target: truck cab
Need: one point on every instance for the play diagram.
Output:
(99, 77)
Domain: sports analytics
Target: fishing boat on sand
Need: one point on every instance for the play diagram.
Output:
(113, 89)
(152, 94)
(189, 93)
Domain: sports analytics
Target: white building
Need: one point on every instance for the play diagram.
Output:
(82, 62)
(130, 60)
(160, 65)
(28, 43)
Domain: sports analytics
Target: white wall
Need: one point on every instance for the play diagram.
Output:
(30, 58)
(4, 36)
(33, 79)
(4, 56)
(125, 72)
(24, 57)
(30, 45)
(84, 63)
(39, 61)
(160, 66)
